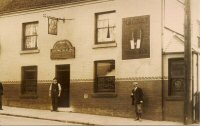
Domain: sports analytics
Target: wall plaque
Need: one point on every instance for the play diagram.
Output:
(136, 37)
(62, 50)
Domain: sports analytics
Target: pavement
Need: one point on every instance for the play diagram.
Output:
(78, 118)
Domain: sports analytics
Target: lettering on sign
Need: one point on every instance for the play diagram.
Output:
(136, 37)
(62, 50)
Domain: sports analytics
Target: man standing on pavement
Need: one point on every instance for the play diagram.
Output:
(137, 100)
(54, 93)
(1, 93)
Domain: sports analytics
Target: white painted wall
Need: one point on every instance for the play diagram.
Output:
(80, 32)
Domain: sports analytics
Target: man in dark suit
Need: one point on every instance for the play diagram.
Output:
(54, 93)
(1, 93)
(137, 100)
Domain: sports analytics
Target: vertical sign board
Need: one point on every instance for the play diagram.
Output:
(52, 26)
(136, 37)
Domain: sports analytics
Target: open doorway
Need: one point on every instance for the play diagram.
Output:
(63, 77)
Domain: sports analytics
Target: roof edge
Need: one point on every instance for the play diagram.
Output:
(47, 6)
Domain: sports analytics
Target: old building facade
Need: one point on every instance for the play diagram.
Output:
(96, 49)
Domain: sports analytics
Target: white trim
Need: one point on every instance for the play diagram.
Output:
(106, 45)
(29, 51)
(92, 80)
(65, 109)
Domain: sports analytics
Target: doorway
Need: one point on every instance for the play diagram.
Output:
(63, 77)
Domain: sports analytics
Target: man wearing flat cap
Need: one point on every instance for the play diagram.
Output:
(137, 100)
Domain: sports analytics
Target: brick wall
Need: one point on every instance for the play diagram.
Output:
(12, 97)
(173, 106)
(119, 105)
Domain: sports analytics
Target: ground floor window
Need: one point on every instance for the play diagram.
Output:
(105, 76)
(176, 77)
(29, 80)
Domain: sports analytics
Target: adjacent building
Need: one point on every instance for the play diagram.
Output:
(96, 49)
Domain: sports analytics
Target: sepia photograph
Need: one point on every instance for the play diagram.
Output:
(100, 62)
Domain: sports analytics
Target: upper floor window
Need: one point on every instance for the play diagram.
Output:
(176, 77)
(30, 35)
(105, 76)
(29, 80)
(105, 27)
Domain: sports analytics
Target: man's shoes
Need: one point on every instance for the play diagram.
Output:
(136, 119)
(1, 109)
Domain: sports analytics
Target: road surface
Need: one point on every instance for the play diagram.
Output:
(12, 120)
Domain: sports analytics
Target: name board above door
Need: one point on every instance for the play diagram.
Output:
(62, 49)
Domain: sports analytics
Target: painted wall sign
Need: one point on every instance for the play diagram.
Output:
(62, 50)
(136, 37)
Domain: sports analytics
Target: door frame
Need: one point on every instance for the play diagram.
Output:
(56, 75)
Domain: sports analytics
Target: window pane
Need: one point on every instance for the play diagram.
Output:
(176, 76)
(107, 18)
(105, 35)
(34, 29)
(28, 29)
(30, 35)
(177, 69)
(29, 80)
(105, 76)
(105, 69)
(30, 75)
(31, 29)
(30, 42)
(106, 84)
(105, 27)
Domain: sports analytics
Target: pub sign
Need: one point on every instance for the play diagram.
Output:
(136, 37)
(62, 49)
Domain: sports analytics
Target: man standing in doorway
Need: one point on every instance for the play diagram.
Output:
(137, 100)
(1, 93)
(54, 93)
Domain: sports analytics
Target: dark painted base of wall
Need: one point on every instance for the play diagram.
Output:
(121, 104)
(173, 106)
(83, 99)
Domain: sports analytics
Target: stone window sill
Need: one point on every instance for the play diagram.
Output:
(104, 95)
(29, 51)
(106, 45)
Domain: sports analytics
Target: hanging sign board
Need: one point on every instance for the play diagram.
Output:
(136, 37)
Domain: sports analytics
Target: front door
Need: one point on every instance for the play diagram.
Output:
(63, 77)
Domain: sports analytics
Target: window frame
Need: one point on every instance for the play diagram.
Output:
(96, 27)
(171, 91)
(24, 92)
(23, 36)
(96, 90)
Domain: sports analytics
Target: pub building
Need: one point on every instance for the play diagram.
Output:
(96, 49)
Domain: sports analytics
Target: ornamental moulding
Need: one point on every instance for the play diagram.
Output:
(62, 49)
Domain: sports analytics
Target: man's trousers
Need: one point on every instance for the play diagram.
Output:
(54, 99)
